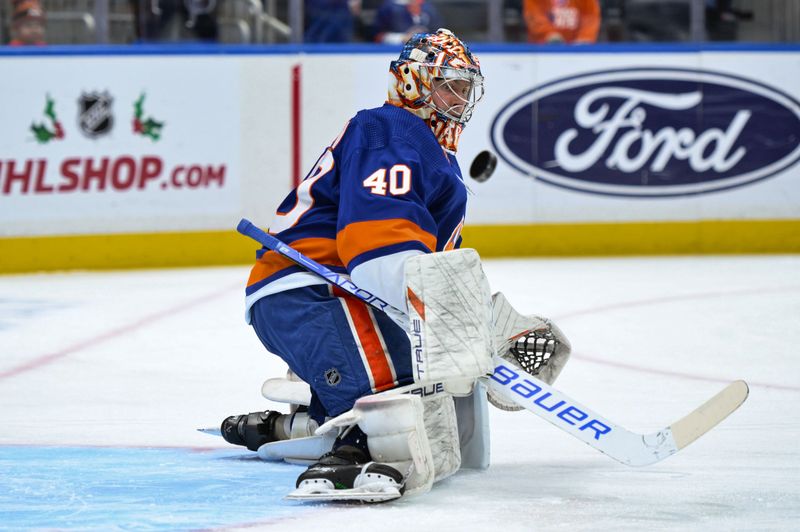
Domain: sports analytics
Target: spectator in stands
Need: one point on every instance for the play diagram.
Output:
(330, 20)
(154, 19)
(27, 23)
(397, 20)
(721, 20)
(562, 21)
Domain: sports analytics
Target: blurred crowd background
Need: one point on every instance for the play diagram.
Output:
(41, 22)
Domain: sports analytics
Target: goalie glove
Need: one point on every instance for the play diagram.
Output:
(532, 343)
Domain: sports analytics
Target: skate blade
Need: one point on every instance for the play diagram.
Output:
(363, 494)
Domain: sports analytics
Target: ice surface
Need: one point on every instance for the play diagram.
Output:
(104, 378)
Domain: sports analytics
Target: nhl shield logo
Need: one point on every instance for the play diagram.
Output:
(332, 377)
(95, 117)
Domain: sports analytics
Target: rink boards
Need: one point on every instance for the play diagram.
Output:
(147, 157)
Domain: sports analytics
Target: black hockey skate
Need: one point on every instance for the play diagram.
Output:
(251, 430)
(347, 473)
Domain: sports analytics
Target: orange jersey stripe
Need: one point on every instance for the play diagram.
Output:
(451, 242)
(322, 250)
(377, 361)
(359, 237)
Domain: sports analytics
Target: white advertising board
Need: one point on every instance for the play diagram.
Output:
(612, 137)
(95, 144)
(119, 144)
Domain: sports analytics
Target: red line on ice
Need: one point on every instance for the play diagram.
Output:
(141, 447)
(670, 373)
(670, 299)
(49, 358)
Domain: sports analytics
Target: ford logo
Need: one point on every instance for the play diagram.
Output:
(650, 132)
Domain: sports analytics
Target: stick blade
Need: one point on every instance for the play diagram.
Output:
(709, 414)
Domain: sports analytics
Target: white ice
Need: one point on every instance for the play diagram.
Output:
(141, 359)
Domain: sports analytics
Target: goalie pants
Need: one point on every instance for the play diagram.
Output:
(343, 348)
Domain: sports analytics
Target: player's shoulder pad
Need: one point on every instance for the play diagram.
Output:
(382, 124)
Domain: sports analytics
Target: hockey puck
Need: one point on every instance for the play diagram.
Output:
(483, 166)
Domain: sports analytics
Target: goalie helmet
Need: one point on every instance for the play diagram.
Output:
(438, 79)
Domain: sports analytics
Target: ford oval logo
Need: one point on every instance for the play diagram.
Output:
(650, 132)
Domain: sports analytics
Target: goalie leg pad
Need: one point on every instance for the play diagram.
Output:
(291, 390)
(450, 316)
(441, 426)
(396, 436)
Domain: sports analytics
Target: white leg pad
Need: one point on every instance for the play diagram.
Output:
(450, 315)
(441, 425)
(396, 435)
(297, 450)
(291, 389)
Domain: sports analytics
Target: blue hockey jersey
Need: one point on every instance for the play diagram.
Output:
(382, 191)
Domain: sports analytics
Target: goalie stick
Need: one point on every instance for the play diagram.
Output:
(552, 405)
